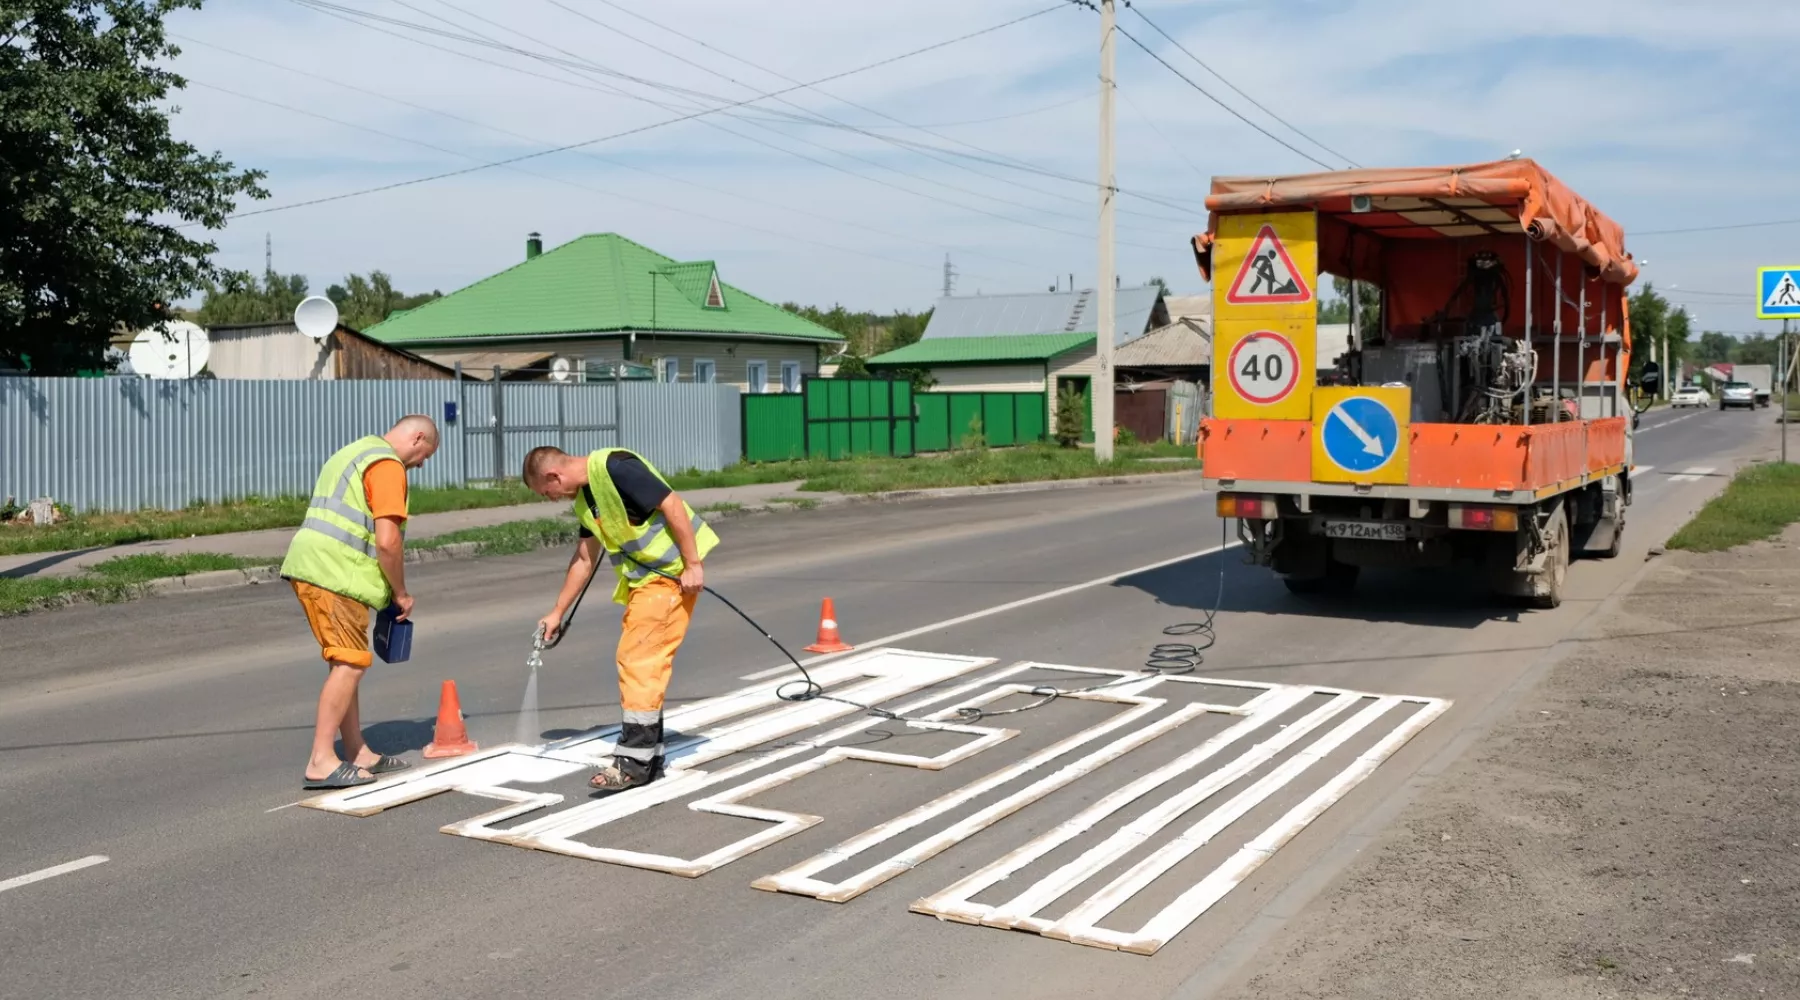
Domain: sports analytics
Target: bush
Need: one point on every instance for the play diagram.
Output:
(1069, 425)
(976, 438)
(1123, 436)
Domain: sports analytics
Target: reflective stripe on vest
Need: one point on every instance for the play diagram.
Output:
(335, 546)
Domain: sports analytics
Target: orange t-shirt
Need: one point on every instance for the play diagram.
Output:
(384, 484)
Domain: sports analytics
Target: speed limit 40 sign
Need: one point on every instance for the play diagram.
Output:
(1268, 370)
(1264, 367)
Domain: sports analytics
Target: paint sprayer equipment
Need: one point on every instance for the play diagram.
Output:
(1171, 658)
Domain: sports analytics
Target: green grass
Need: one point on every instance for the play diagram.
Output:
(963, 468)
(510, 539)
(1760, 501)
(856, 475)
(112, 580)
(85, 531)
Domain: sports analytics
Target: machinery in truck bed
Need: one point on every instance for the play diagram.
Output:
(1480, 414)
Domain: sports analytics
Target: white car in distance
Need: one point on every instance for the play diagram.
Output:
(1690, 395)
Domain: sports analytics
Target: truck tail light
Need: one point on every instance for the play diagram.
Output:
(1248, 505)
(1483, 518)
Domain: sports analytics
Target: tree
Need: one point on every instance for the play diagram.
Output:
(95, 192)
(1368, 306)
(237, 298)
(1652, 322)
(1713, 348)
(363, 302)
(1157, 281)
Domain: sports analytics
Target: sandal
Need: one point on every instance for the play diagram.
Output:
(344, 776)
(612, 778)
(387, 765)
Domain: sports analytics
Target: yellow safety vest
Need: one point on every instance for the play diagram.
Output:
(638, 552)
(335, 546)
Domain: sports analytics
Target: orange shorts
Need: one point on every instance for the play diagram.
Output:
(340, 624)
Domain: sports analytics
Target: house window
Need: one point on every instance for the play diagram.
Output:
(671, 369)
(705, 370)
(790, 376)
(757, 376)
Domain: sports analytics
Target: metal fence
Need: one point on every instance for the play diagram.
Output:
(129, 443)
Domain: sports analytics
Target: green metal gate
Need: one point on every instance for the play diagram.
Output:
(1007, 418)
(849, 417)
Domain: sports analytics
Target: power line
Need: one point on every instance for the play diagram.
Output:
(633, 131)
(1715, 229)
(1221, 78)
(998, 159)
(593, 156)
(1235, 113)
(549, 177)
(581, 66)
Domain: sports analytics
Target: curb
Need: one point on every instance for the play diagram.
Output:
(195, 583)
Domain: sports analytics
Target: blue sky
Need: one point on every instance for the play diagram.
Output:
(1665, 114)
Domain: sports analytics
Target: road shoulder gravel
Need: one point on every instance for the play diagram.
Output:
(1628, 832)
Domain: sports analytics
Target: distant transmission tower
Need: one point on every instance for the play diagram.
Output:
(949, 277)
(268, 253)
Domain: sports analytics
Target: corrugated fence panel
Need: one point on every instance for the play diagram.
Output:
(774, 427)
(126, 443)
(682, 425)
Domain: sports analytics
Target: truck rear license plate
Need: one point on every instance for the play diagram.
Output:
(1385, 531)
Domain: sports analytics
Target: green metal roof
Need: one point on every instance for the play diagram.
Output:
(598, 283)
(953, 350)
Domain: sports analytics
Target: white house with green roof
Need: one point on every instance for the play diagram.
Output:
(601, 307)
(1033, 342)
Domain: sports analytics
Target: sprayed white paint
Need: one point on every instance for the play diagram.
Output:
(1080, 925)
(53, 871)
(1692, 474)
(1074, 588)
(1273, 734)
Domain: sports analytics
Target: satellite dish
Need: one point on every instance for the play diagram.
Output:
(176, 349)
(316, 316)
(562, 370)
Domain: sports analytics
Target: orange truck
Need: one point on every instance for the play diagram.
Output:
(1475, 413)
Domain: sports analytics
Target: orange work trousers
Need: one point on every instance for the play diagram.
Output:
(656, 620)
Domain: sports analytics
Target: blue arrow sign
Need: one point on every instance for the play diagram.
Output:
(1778, 292)
(1360, 434)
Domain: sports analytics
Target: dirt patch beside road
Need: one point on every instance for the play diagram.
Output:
(1631, 831)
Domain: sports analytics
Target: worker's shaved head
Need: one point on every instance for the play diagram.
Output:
(416, 423)
(554, 473)
(415, 439)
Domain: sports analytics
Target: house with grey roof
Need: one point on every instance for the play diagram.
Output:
(1030, 342)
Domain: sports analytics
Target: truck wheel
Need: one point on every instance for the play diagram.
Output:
(1548, 587)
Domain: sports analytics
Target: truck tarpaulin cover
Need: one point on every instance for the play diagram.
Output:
(1398, 241)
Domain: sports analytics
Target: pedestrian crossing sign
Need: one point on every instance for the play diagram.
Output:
(1778, 292)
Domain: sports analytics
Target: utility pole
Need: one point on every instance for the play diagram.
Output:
(1103, 278)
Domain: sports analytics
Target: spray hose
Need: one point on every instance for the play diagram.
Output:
(1166, 658)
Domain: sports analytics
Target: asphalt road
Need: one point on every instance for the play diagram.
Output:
(168, 736)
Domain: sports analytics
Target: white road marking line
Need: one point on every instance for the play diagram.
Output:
(277, 809)
(995, 610)
(1643, 470)
(63, 869)
(1692, 474)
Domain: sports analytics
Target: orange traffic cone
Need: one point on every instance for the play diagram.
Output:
(449, 739)
(829, 640)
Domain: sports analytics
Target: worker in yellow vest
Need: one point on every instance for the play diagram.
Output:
(347, 558)
(656, 544)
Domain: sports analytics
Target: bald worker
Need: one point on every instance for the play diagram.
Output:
(347, 558)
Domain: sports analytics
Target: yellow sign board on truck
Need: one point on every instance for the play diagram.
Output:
(1265, 315)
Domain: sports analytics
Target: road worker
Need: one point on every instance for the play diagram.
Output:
(656, 544)
(347, 558)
